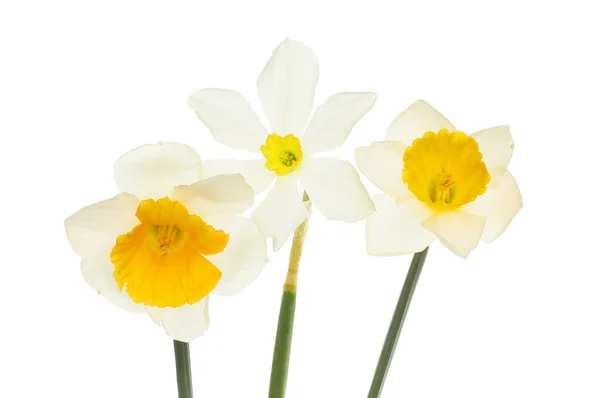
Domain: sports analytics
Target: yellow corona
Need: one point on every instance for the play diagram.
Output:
(161, 261)
(445, 170)
(283, 154)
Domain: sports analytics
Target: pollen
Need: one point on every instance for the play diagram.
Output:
(162, 262)
(283, 154)
(445, 170)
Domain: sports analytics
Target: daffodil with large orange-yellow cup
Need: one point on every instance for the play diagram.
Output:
(169, 239)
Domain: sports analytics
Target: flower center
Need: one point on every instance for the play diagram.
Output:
(443, 183)
(445, 170)
(283, 154)
(162, 262)
(168, 238)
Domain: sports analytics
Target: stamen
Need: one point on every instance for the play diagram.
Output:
(444, 180)
(166, 238)
(287, 159)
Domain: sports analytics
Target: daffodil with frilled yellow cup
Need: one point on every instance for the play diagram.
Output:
(438, 182)
(169, 239)
(286, 88)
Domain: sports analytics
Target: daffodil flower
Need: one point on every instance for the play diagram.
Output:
(169, 238)
(439, 182)
(286, 88)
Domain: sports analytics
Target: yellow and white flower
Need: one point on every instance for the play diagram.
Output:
(286, 88)
(440, 183)
(169, 238)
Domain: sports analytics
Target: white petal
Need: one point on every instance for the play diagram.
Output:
(230, 118)
(219, 195)
(98, 273)
(94, 229)
(182, 323)
(396, 228)
(153, 170)
(286, 87)
(500, 204)
(244, 256)
(382, 163)
(281, 212)
(332, 122)
(415, 121)
(155, 314)
(459, 231)
(254, 171)
(335, 189)
(496, 145)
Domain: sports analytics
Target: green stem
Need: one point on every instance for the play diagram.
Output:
(184, 371)
(389, 345)
(283, 345)
(285, 327)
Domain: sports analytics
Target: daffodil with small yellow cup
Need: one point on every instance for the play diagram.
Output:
(286, 88)
(437, 182)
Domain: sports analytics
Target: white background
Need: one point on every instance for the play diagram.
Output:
(83, 82)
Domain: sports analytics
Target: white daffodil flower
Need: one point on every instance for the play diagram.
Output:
(286, 88)
(169, 238)
(440, 183)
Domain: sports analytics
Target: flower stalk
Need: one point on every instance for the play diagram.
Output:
(183, 367)
(285, 326)
(391, 339)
